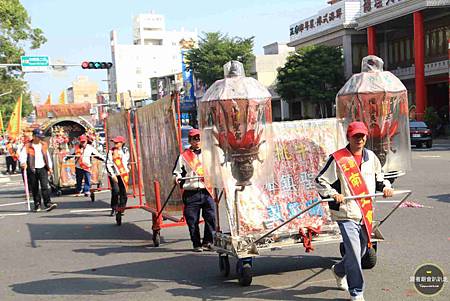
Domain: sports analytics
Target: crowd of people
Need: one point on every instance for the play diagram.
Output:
(352, 216)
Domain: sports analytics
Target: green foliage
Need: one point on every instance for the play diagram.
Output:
(214, 51)
(16, 33)
(314, 73)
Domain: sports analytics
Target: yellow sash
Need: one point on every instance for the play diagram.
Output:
(117, 159)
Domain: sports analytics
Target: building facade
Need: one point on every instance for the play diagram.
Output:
(264, 69)
(155, 53)
(83, 90)
(409, 35)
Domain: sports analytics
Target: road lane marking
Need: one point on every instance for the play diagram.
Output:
(11, 204)
(430, 156)
(90, 210)
(13, 214)
(392, 201)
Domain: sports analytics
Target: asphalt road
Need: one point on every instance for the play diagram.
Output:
(63, 255)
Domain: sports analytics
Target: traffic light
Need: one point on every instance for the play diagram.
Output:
(96, 65)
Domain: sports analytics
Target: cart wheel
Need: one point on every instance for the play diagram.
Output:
(59, 193)
(156, 238)
(244, 271)
(342, 249)
(224, 265)
(369, 259)
(119, 218)
(92, 196)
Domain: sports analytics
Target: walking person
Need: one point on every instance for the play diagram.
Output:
(353, 170)
(11, 156)
(196, 196)
(117, 169)
(83, 164)
(36, 161)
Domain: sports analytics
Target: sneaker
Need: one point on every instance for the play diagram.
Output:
(50, 206)
(113, 211)
(341, 282)
(357, 298)
(87, 194)
(197, 249)
(37, 208)
(207, 247)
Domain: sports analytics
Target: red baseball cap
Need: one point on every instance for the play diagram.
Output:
(193, 132)
(357, 127)
(118, 139)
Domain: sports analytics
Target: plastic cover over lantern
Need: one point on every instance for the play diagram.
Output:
(235, 120)
(379, 99)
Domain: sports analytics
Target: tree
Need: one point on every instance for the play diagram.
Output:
(214, 51)
(313, 74)
(16, 33)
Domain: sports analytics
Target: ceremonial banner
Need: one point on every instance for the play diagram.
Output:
(62, 97)
(159, 150)
(2, 129)
(301, 149)
(15, 120)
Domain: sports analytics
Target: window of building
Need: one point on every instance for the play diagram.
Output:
(427, 45)
(434, 43)
(139, 85)
(408, 50)
(441, 44)
(391, 53)
(402, 50)
(396, 51)
(138, 70)
(85, 95)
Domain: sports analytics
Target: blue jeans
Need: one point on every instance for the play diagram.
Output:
(80, 174)
(355, 241)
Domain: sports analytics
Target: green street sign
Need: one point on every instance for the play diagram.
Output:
(35, 63)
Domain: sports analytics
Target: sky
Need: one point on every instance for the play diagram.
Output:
(78, 30)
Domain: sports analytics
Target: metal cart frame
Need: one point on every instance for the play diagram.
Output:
(246, 248)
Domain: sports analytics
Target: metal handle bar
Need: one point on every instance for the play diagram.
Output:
(406, 192)
(191, 178)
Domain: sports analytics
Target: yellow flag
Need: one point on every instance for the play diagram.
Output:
(1, 123)
(15, 120)
(62, 97)
(49, 99)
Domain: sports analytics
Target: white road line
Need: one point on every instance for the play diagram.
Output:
(11, 204)
(430, 156)
(13, 214)
(89, 210)
(392, 201)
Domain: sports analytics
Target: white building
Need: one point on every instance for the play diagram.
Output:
(264, 69)
(155, 52)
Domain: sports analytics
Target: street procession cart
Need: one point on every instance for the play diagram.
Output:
(265, 172)
(63, 133)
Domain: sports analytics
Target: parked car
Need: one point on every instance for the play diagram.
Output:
(420, 134)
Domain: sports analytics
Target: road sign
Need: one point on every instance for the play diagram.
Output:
(35, 63)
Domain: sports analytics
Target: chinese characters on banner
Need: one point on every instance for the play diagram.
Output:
(372, 5)
(301, 149)
(316, 22)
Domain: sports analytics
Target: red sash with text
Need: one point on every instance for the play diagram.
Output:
(79, 159)
(11, 152)
(194, 163)
(117, 159)
(347, 164)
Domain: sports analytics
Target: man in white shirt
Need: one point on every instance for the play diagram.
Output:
(36, 160)
(83, 158)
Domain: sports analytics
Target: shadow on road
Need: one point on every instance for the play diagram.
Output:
(70, 232)
(198, 275)
(441, 197)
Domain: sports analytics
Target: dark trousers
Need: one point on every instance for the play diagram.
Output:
(36, 178)
(194, 201)
(80, 174)
(10, 164)
(118, 191)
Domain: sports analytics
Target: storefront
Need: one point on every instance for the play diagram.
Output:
(410, 36)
